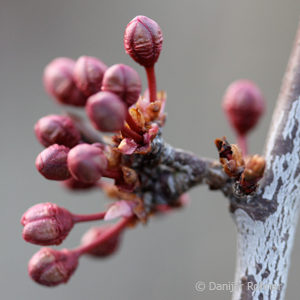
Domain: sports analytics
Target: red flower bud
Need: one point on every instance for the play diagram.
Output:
(244, 104)
(106, 111)
(55, 129)
(87, 163)
(88, 74)
(73, 184)
(123, 81)
(52, 267)
(106, 248)
(46, 224)
(52, 162)
(59, 82)
(143, 40)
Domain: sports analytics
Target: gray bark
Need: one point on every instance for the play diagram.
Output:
(265, 241)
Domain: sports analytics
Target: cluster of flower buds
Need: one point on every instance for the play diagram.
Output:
(114, 103)
(77, 154)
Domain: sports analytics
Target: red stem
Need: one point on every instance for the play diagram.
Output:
(114, 230)
(163, 208)
(114, 174)
(129, 133)
(242, 142)
(132, 124)
(151, 83)
(87, 218)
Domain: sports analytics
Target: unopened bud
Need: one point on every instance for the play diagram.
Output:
(255, 168)
(52, 162)
(52, 267)
(55, 129)
(143, 40)
(123, 81)
(46, 224)
(244, 104)
(88, 74)
(87, 163)
(231, 157)
(253, 172)
(59, 82)
(106, 248)
(106, 111)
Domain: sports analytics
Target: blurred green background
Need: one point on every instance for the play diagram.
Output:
(207, 45)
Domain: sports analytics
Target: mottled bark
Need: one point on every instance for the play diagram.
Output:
(166, 173)
(265, 237)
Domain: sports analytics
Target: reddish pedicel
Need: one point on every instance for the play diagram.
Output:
(106, 248)
(73, 184)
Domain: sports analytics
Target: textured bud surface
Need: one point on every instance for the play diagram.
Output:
(106, 111)
(87, 163)
(123, 81)
(51, 267)
(143, 40)
(244, 104)
(46, 224)
(255, 168)
(55, 129)
(106, 248)
(59, 82)
(52, 162)
(88, 74)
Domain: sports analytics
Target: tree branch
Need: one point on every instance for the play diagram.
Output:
(265, 237)
(166, 173)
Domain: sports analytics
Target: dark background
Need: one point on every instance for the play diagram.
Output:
(207, 45)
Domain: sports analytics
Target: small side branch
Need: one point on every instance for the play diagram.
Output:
(166, 173)
(199, 170)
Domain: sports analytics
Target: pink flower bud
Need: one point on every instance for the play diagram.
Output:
(87, 163)
(52, 267)
(123, 81)
(143, 40)
(106, 111)
(88, 74)
(106, 248)
(46, 224)
(73, 184)
(59, 82)
(52, 162)
(244, 104)
(121, 208)
(55, 129)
